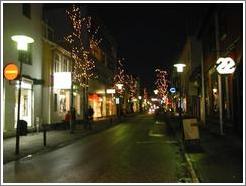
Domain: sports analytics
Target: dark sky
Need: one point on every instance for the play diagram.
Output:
(148, 36)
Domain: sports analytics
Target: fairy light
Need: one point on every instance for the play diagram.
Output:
(162, 84)
(84, 65)
(119, 77)
(131, 84)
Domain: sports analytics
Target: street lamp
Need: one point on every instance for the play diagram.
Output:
(119, 86)
(118, 102)
(22, 46)
(156, 92)
(180, 69)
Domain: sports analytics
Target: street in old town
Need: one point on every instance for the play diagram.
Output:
(143, 93)
(134, 151)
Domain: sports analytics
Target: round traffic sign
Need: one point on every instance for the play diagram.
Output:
(11, 71)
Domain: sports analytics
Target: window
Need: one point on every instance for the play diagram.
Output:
(26, 57)
(26, 10)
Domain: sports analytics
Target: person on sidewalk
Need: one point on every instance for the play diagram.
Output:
(67, 119)
(89, 117)
(73, 118)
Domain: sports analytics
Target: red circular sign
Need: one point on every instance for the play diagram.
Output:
(11, 71)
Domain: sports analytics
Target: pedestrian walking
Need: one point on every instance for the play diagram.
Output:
(67, 119)
(89, 117)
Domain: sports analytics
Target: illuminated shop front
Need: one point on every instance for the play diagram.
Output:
(102, 105)
(96, 102)
(62, 94)
(26, 103)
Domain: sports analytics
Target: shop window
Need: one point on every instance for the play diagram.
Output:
(26, 10)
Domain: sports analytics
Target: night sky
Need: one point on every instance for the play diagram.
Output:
(148, 36)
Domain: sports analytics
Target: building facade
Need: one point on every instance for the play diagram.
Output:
(221, 36)
(28, 23)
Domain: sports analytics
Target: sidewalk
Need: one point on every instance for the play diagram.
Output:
(33, 142)
(217, 159)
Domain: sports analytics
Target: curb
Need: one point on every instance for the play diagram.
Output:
(191, 169)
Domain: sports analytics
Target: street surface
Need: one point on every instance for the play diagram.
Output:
(137, 151)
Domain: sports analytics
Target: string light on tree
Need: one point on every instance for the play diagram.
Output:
(84, 65)
(119, 77)
(162, 84)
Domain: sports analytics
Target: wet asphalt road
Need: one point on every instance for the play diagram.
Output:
(137, 151)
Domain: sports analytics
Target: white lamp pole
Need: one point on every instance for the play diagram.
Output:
(22, 45)
(119, 87)
(180, 69)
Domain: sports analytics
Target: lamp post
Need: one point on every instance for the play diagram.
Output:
(156, 92)
(22, 46)
(180, 69)
(119, 87)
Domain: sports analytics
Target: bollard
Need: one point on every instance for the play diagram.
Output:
(44, 132)
(111, 121)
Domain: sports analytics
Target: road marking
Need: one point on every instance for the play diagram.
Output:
(145, 142)
(151, 133)
(171, 142)
(159, 123)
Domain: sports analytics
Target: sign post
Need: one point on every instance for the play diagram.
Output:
(224, 66)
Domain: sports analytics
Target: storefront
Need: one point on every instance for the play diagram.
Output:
(26, 101)
(96, 102)
(102, 105)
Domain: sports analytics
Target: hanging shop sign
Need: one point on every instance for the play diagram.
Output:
(225, 65)
(62, 80)
(117, 101)
(110, 91)
(11, 71)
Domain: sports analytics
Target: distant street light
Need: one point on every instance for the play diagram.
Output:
(119, 86)
(118, 102)
(22, 46)
(156, 92)
(180, 69)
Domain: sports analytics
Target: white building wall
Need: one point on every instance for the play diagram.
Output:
(14, 22)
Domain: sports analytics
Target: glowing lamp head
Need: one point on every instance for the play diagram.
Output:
(180, 67)
(22, 41)
(139, 97)
(156, 91)
(119, 86)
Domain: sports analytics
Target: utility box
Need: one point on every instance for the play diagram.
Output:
(23, 128)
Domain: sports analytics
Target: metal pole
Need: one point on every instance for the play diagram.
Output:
(17, 145)
(180, 110)
(219, 76)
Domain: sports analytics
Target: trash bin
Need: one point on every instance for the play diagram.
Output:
(22, 127)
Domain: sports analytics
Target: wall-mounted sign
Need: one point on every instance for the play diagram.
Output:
(117, 101)
(11, 71)
(172, 90)
(62, 80)
(110, 91)
(225, 65)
